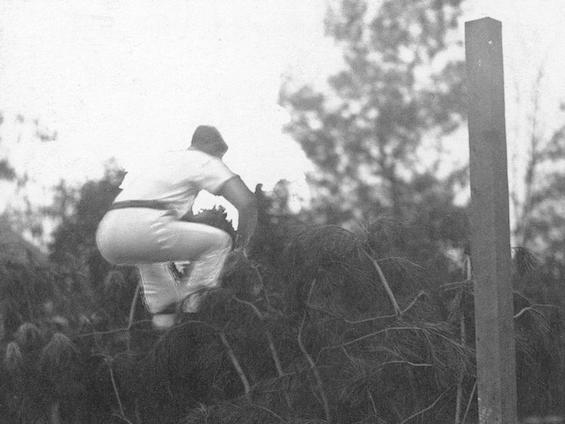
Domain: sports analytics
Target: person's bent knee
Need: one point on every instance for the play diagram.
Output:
(227, 241)
(222, 241)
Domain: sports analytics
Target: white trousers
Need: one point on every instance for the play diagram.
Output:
(151, 239)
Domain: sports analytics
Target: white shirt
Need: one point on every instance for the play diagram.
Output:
(175, 178)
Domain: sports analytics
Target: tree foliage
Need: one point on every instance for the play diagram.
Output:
(401, 83)
(17, 133)
(318, 325)
(540, 216)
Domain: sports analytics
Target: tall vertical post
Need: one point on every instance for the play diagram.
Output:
(490, 239)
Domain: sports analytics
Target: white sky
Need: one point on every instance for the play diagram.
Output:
(125, 78)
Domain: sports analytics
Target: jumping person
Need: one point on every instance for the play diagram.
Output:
(143, 225)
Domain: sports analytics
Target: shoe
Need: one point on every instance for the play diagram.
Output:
(165, 319)
(191, 303)
(163, 322)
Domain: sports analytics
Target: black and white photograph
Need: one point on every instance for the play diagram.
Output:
(282, 212)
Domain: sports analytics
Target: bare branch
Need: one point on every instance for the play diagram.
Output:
(385, 283)
(312, 364)
(260, 278)
(399, 258)
(413, 302)
(114, 331)
(469, 403)
(132, 306)
(427, 408)
(459, 396)
(271, 342)
(270, 411)
(236, 364)
(116, 392)
(348, 321)
(123, 418)
(366, 336)
(413, 364)
(365, 320)
(252, 306)
(456, 284)
(533, 309)
(373, 404)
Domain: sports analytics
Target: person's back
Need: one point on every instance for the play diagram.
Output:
(175, 178)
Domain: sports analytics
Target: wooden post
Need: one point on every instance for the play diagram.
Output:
(490, 233)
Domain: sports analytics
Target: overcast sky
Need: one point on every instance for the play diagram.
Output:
(125, 78)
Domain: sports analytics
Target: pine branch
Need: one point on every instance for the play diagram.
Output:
(270, 411)
(413, 364)
(236, 364)
(114, 331)
(132, 314)
(255, 309)
(459, 398)
(427, 408)
(422, 293)
(456, 285)
(366, 336)
(315, 371)
(116, 392)
(271, 342)
(469, 403)
(132, 306)
(373, 404)
(348, 321)
(399, 258)
(55, 413)
(386, 285)
(366, 320)
(533, 309)
(311, 362)
(255, 268)
(121, 417)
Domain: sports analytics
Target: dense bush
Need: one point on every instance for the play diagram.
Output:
(318, 325)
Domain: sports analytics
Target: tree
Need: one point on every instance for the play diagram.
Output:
(16, 135)
(537, 199)
(401, 83)
(24, 130)
(7, 172)
(79, 213)
(316, 324)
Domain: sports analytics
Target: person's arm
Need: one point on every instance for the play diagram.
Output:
(236, 192)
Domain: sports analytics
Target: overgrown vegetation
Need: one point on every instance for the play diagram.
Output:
(318, 325)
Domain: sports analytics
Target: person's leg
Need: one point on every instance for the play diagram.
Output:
(206, 248)
(143, 236)
(160, 293)
(159, 286)
(205, 272)
(132, 237)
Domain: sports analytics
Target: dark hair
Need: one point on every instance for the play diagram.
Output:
(206, 137)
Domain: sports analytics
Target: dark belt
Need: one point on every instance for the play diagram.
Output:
(150, 204)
